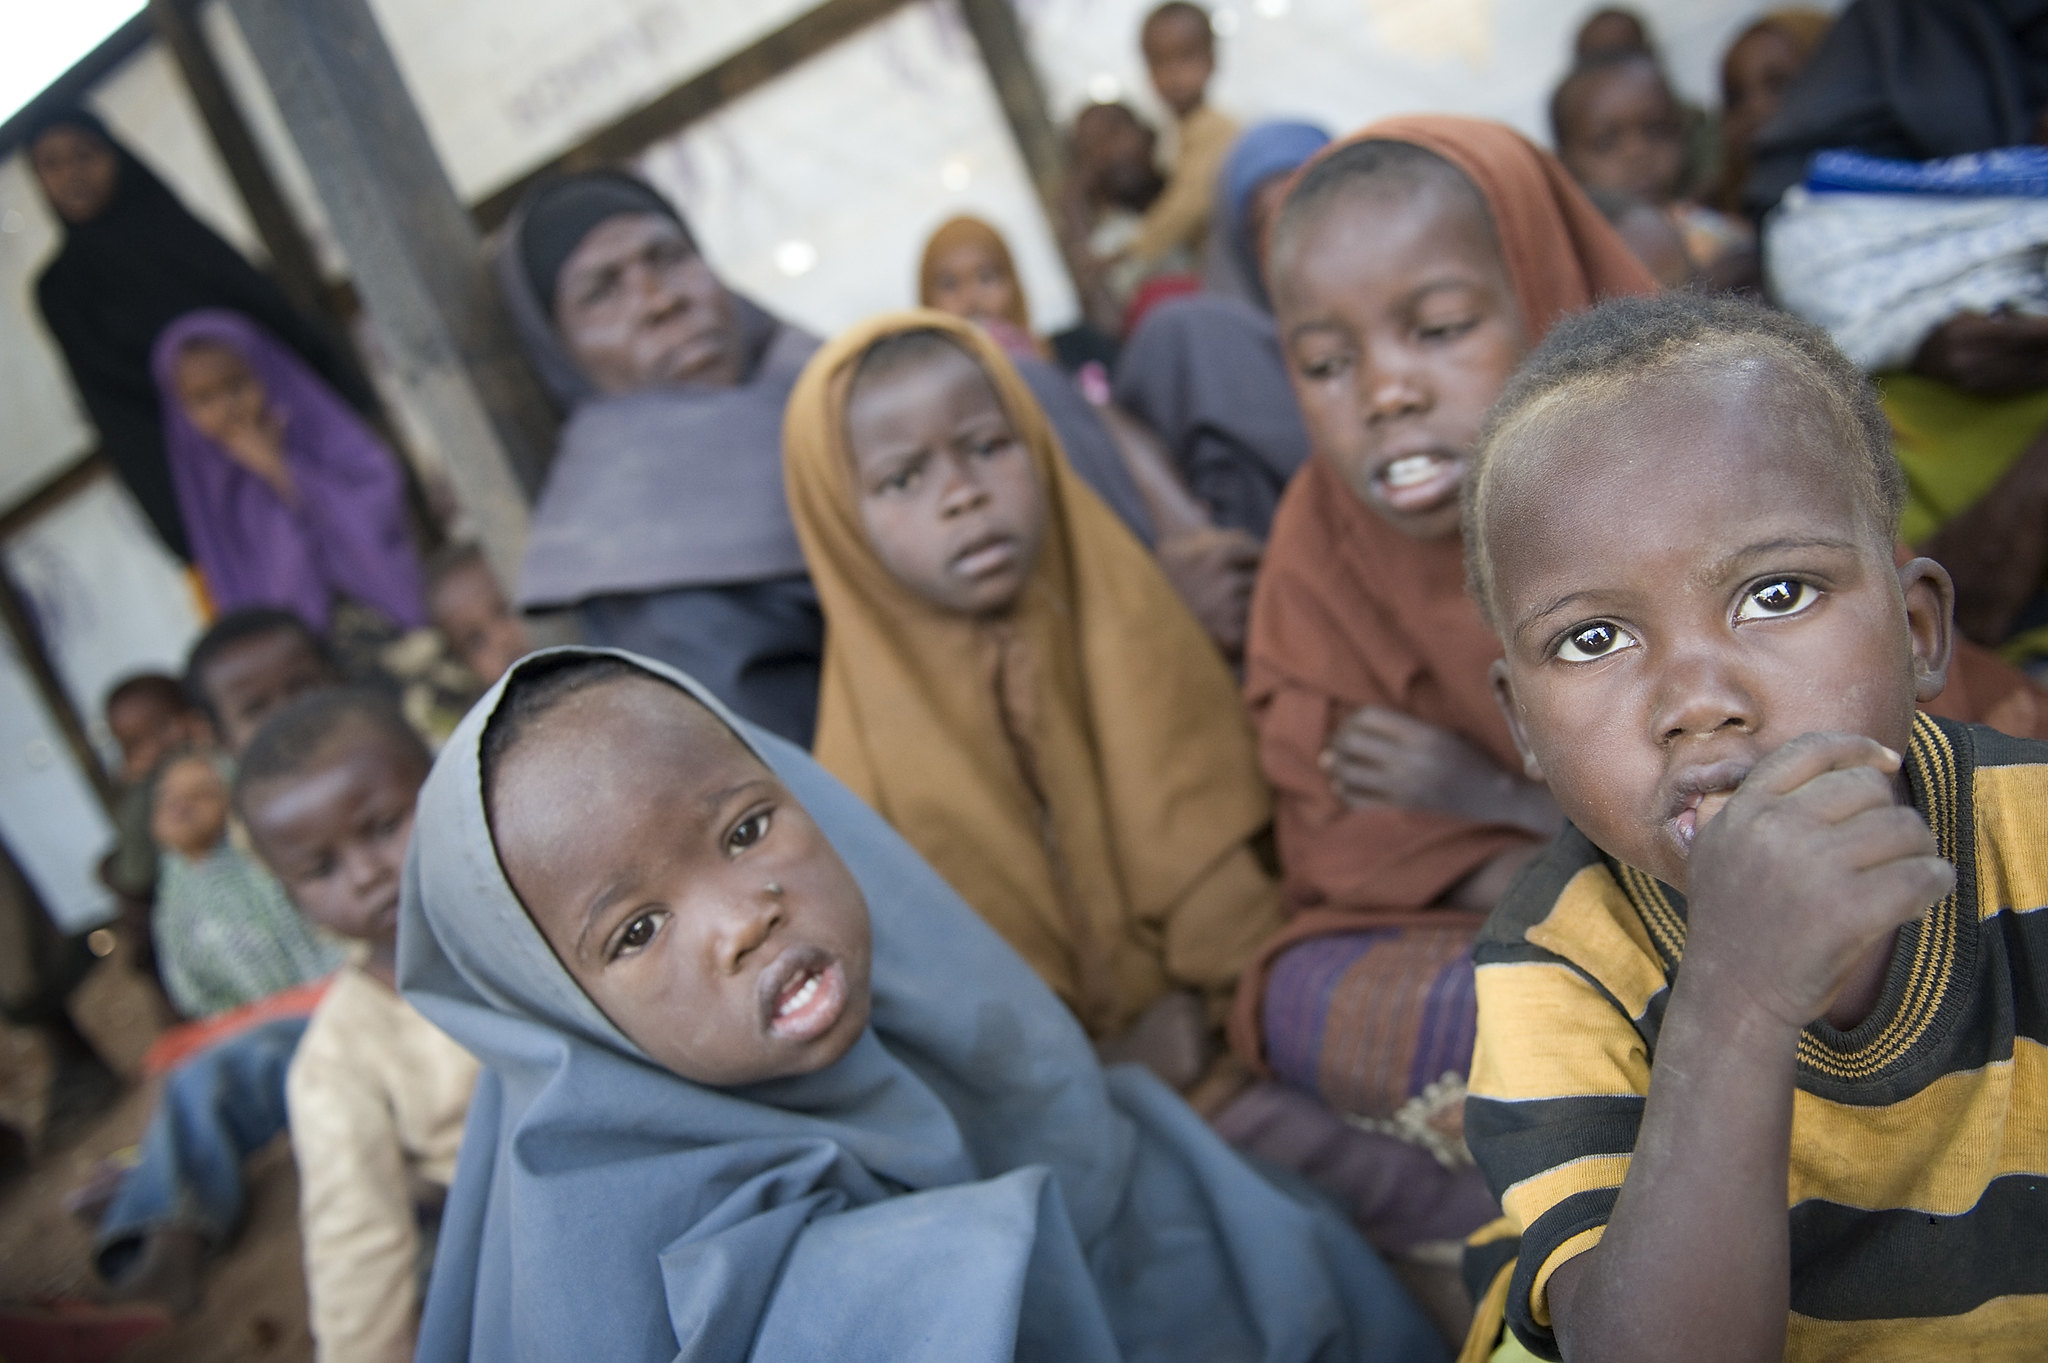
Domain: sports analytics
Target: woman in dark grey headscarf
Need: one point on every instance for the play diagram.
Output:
(962, 1182)
(663, 523)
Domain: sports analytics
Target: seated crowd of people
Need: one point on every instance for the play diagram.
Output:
(1172, 839)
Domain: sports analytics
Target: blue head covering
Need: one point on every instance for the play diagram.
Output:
(1261, 152)
(966, 1183)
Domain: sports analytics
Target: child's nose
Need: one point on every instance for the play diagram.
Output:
(962, 489)
(747, 928)
(1391, 390)
(1698, 694)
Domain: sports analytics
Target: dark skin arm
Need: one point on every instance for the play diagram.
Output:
(1211, 568)
(1797, 891)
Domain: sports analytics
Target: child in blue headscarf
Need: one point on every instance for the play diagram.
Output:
(759, 1085)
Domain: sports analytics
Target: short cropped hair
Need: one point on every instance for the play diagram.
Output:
(160, 687)
(1564, 99)
(237, 627)
(296, 738)
(1354, 165)
(1621, 343)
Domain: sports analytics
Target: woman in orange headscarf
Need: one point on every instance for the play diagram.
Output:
(967, 271)
(1412, 267)
(1047, 723)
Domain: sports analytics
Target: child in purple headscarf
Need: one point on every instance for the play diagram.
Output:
(288, 498)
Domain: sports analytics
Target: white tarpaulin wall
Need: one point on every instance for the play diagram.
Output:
(813, 194)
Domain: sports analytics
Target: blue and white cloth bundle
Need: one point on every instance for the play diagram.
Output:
(1882, 252)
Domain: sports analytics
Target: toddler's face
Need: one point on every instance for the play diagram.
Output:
(258, 676)
(481, 626)
(683, 887)
(947, 491)
(1684, 579)
(190, 813)
(1401, 328)
(335, 834)
(1625, 134)
(147, 726)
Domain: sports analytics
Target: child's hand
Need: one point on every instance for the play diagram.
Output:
(258, 446)
(1810, 864)
(1383, 757)
(1212, 570)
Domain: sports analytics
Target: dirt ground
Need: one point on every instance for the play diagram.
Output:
(253, 1307)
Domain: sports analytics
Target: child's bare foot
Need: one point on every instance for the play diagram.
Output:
(1172, 1039)
(166, 1271)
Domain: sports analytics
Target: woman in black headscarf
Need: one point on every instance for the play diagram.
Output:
(134, 258)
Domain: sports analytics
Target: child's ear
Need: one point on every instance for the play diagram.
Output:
(1511, 711)
(1930, 621)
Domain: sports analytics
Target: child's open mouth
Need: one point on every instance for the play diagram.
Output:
(804, 992)
(1420, 482)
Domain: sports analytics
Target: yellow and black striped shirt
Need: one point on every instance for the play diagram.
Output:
(1919, 1173)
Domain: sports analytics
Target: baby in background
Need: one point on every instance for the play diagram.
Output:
(1822, 1137)
(1619, 130)
(469, 608)
(376, 1095)
(224, 933)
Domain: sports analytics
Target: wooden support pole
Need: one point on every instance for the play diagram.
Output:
(414, 253)
(1000, 41)
(20, 622)
(292, 259)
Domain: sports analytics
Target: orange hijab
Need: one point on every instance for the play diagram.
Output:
(1351, 612)
(1081, 770)
(971, 231)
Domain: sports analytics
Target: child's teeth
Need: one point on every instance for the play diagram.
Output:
(1412, 469)
(799, 998)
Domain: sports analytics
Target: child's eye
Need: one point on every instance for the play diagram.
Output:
(638, 934)
(1590, 643)
(747, 832)
(991, 447)
(1325, 366)
(1779, 597)
(903, 479)
(1446, 331)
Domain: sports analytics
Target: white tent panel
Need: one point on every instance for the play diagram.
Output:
(815, 194)
(504, 84)
(50, 818)
(108, 598)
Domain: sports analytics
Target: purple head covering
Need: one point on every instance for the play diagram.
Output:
(347, 533)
